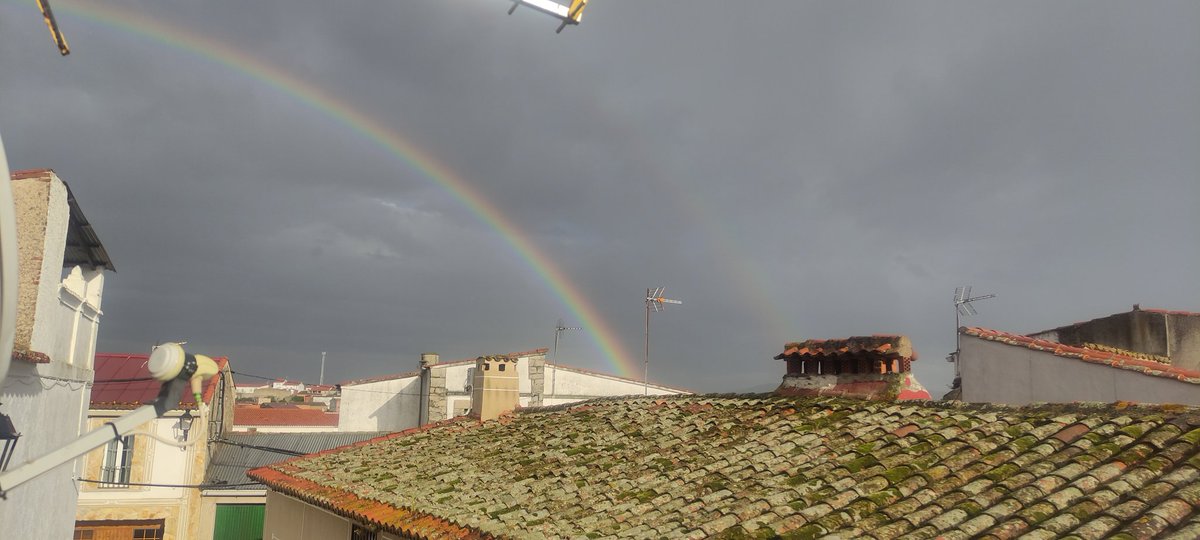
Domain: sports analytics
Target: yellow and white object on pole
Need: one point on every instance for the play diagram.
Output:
(568, 14)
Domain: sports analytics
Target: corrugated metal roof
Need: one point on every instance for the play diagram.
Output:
(229, 462)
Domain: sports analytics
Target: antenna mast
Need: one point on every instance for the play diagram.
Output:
(558, 330)
(655, 301)
(963, 307)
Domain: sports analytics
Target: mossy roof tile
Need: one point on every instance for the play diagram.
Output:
(737, 465)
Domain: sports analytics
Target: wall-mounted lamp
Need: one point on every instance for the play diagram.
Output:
(8, 434)
(185, 423)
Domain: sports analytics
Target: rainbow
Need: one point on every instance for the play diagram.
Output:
(421, 161)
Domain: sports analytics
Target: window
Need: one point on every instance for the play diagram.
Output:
(118, 461)
(501, 367)
(84, 535)
(148, 534)
(358, 532)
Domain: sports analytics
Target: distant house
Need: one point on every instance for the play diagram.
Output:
(290, 386)
(231, 504)
(1143, 355)
(438, 391)
(288, 419)
(59, 294)
(861, 465)
(139, 486)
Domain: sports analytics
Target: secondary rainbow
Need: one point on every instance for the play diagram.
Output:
(419, 160)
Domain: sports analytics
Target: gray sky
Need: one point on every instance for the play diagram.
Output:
(790, 170)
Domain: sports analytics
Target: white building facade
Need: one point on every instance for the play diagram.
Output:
(439, 391)
(46, 393)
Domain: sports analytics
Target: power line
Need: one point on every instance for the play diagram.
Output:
(263, 448)
(151, 484)
(129, 380)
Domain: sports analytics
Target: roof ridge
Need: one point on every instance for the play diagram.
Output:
(1094, 356)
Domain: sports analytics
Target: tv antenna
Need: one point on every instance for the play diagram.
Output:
(655, 301)
(558, 330)
(962, 308)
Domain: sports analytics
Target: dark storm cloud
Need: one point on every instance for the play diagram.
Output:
(790, 170)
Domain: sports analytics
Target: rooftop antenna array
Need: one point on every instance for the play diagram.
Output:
(558, 330)
(655, 301)
(962, 308)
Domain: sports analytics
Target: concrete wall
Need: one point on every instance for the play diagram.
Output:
(292, 519)
(153, 462)
(393, 405)
(1175, 335)
(380, 405)
(999, 373)
(48, 402)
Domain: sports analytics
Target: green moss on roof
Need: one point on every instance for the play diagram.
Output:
(749, 467)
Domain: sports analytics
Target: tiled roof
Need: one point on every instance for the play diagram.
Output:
(1108, 358)
(235, 453)
(890, 346)
(737, 466)
(132, 394)
(1171, 312)
(255, 416)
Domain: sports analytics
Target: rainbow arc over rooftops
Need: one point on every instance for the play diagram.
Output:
(421, 161)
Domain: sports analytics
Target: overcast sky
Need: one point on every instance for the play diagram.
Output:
(789, 170)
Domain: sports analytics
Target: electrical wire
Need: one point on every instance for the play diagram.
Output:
(256, 447)
(129, 380)
(151, 484)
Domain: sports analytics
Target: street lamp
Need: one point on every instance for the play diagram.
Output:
(185, 423)
(8, 434)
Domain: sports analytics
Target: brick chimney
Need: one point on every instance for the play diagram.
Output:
(495, 388)
(871, 367)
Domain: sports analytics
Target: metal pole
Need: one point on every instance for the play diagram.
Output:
(646, 365)
(322, 380)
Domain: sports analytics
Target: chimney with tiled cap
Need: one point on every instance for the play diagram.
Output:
(871, 367)
(495, 388)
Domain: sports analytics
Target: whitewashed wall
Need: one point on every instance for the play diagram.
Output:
(393, 404)
(381, 405)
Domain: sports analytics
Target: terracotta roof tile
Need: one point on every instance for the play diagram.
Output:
(255, 416)
(1117, 360)
(724, 465)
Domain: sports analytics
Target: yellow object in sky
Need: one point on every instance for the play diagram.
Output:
(567, 14)
(59, 38)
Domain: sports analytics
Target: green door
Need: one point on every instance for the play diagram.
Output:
(239, 522)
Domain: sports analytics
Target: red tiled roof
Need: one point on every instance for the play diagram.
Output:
(1173, 312)
(888, 346)
(129, 395)
(31, 173)
(255, 416)
(1117, 360)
